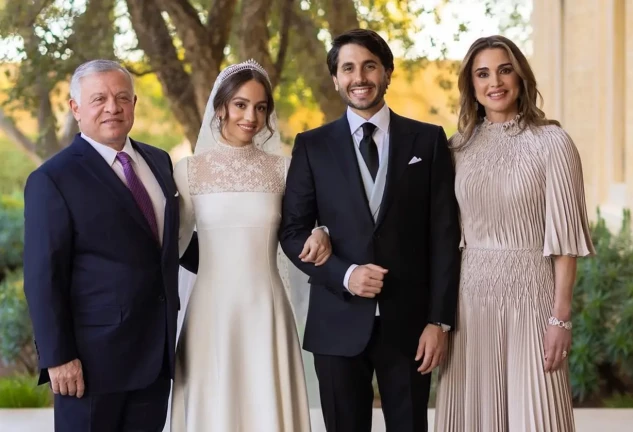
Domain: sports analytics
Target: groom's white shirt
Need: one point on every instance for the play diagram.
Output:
(382, 120)
(143, 172)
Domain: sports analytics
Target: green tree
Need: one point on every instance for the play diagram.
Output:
(186, 43)
(55, 38)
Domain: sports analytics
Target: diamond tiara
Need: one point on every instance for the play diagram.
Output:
(248, 64)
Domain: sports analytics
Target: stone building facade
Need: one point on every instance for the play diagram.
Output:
(583, 60)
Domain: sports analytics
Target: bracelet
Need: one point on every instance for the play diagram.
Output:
(553, 321)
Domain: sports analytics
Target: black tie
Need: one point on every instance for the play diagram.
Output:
(369, 150)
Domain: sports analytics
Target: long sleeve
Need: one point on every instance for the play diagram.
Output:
(299, 216)
(48, 243)
(187, 215)
(566, 225)
(445, 235)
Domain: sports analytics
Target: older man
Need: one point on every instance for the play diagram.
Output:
(101, 264)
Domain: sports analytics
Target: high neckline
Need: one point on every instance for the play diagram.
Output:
(230, 148)
(511, 127)
(506, 124)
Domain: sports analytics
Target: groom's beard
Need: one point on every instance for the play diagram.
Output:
(381, 90)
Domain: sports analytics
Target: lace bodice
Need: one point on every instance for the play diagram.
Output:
(236, 169)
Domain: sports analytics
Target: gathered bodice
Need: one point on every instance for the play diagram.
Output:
(521, 189)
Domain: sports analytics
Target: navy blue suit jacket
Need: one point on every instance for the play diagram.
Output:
(99, 286)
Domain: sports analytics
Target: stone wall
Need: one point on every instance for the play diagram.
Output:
(583, 60)
(628, 91)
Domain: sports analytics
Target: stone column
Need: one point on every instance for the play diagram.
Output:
(611, 65)
(585, 77)
(628, 105)
(547, 58)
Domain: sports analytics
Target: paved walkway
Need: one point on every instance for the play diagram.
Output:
(587, 420)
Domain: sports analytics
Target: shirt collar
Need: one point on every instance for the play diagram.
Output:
(381, 119)
(108, 153)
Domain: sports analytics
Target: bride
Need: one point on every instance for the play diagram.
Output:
(238, 362)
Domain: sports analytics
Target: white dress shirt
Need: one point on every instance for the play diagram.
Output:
(143, 172)
(381, 119)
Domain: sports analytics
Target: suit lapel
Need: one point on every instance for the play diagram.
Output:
(401, 140)
(162, 181)
(96, 166)
(342, 149)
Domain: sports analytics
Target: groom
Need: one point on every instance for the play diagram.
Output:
(101, 264)
(382, 184)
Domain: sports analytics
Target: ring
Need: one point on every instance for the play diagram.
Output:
(564, 354)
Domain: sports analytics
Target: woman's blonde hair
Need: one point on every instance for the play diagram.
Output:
(472, 113)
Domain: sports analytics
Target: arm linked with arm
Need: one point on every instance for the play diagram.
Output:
(299, 215)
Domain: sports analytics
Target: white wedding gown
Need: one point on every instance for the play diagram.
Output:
(238, 362)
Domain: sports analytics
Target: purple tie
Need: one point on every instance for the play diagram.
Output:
(138, 190)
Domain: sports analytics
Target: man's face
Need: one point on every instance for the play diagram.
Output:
(105, 111)
(361, 79)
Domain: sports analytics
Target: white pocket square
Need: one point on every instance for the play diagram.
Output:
(414, 160)
(177, 194)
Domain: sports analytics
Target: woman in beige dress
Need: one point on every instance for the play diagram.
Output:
(520, 191)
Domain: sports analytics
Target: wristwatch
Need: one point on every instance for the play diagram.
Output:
(445, 327)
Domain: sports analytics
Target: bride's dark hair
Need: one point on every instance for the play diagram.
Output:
(232, 84)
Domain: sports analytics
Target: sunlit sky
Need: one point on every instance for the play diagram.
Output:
(472, 14)
(469, 12)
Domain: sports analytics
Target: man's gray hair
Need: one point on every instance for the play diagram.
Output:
(90, 68)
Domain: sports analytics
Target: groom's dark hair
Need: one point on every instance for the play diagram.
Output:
(365, 38)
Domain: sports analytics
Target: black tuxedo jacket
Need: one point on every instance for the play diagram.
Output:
(99, 286)
(416, 235)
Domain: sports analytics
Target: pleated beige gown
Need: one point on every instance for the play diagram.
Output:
(522, 202)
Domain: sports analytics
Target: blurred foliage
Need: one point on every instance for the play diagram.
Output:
(601, 359)
(16, 331)
(54, 36)
(619, 401)
(11, 233)
(44, 41)
(163, 141)
(22, 391)
(15, 166)
(154, 123)
(51, 37)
